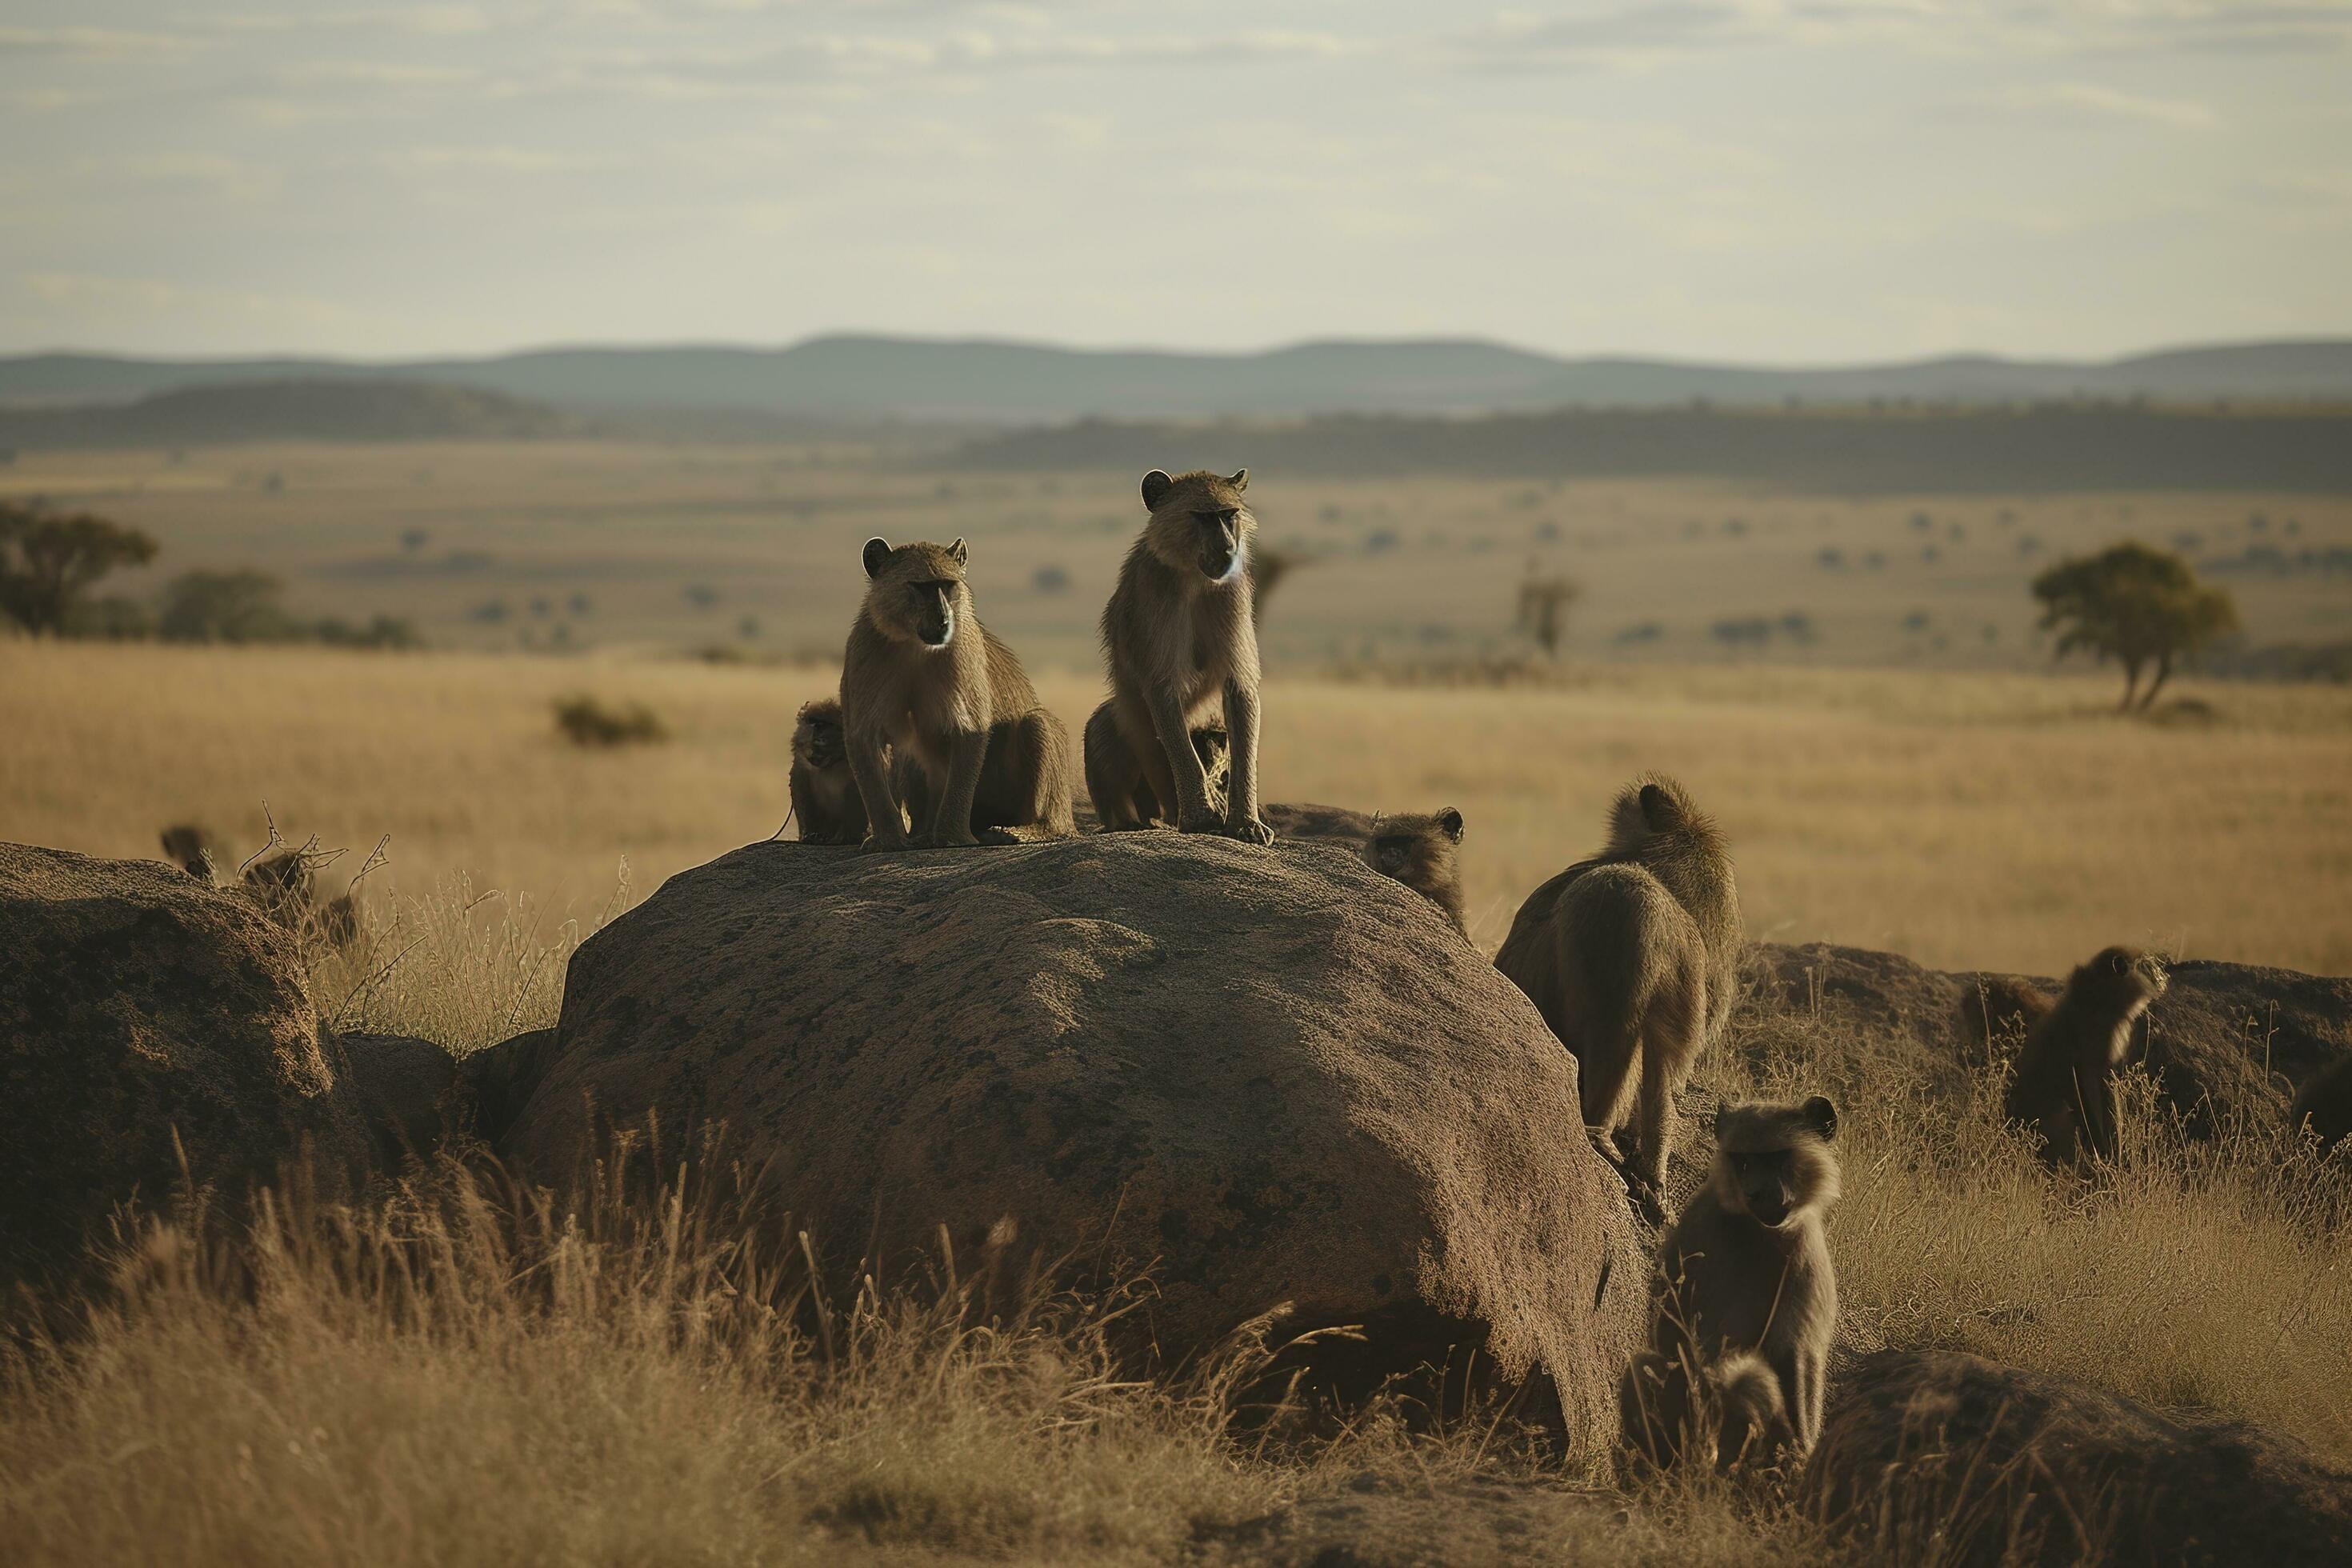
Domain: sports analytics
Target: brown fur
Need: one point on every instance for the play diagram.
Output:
(2323, 1108)
(1631, 958)
(1744, 1272)
(825, 801)
(190, 847)
(1105, 752)
(923, 678)
(1180, 641)
(2064, 1088)
(1421, 849)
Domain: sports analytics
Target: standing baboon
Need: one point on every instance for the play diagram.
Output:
(2323, 1108)
(1631, 957)
(1179, 637)
(1421, 849)
(1744, 1272)
(1104, 749)
(923, 677)
(2065, 1084)
(825, 801)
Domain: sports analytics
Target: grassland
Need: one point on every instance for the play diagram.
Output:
(639, 546)
(1981, 820)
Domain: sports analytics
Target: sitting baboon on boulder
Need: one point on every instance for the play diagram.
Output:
(1744, 1278)
(1182, 644)
(925, 683)
(825, 801)
(1631, 957)
(1103, 749)
(2323, 1108)
(1421, 849)
(2064, 1085)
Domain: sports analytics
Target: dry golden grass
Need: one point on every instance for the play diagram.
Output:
(1983, 820)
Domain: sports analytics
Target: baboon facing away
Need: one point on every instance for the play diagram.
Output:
(281, 882)
(825, 801)
(2064, 1088)
(1107, 757)
(1180, 642)
(1745, 1272)
(2323, 1108)
(1421, 849)
(190, 847)
(1631, 957)
(923, 677)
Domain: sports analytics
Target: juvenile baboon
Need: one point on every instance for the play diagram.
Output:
(190, 847)
(285, 887)
(923, 677)
(2065, 1084)
(1180, 640)
(825, 801)
(1631, 958)
(1421, 849)
(1744, 1272)
(1104, 750)
(2323, 1108)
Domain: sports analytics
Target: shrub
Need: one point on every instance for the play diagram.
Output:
(585, 720)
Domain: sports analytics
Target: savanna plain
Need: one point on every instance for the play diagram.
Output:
(465, 1368)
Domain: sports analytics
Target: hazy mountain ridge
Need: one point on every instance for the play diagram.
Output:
(295, 410)
(867, 377)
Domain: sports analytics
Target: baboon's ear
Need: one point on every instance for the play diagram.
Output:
(1240, 481)
(1657, 809)
(1451, 820)
(1156, 486)
(959, 551)
(2119, 963)
(1821, 1116)
(878, 556)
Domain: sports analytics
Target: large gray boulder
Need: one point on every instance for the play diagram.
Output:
(2226, 1040)
(145, 1017)
(1275, 1077)
(1944, 1457)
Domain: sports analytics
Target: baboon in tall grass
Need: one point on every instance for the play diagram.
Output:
(2323, 1108)
(922, 676)
(1744, 1272)
(1182, 644)
(2064, 1087)
(1631, 958)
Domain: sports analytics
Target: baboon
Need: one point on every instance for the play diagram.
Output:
(825, 801)
(1209, 743)
(1179, 636)
(1744, 1272)
(922, 676)
(1421, 849)
(1631, 958)
(2064, 1085)
(283, 885)
(2325, 1107)
(190, 847)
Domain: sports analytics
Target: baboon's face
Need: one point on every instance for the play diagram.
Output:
(818, 740)
(1412, 847)
(1773, 1160)
(916, 593)
(2123, 979)
(1199, 523)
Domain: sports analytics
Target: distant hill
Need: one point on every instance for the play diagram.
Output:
(2053, 447)
(293, 410)
(867, 378)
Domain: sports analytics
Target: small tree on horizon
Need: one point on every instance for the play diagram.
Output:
(1543, 608)
(2135, 604)
(47, 564)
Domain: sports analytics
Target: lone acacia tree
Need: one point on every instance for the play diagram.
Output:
(47, 563)
(1543, 608)
(2135, 605)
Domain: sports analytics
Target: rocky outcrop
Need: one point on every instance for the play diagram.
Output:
(2227, 1040)
(146, 1020)
(1275, 1078)
(1935, 1454)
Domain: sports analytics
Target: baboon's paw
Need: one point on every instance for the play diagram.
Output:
(1250, 830)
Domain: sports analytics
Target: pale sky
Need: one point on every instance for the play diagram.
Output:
(1752, 180)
